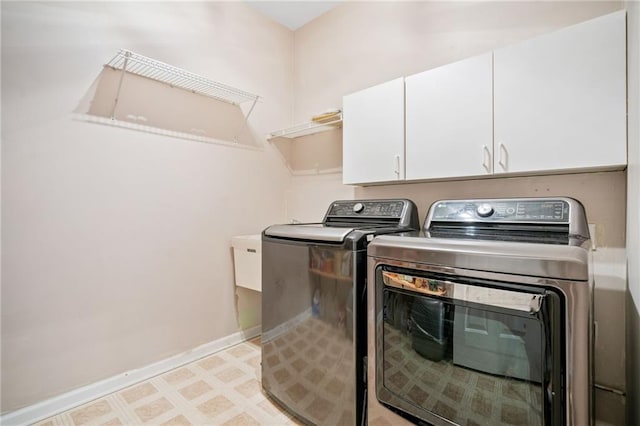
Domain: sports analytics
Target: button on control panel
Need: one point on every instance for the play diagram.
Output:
(484, 210)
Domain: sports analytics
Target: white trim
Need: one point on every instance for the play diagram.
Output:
(286, 326)
(76, 397)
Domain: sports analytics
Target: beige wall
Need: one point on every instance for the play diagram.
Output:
(360, 44)
(116, 244)
(633, 212)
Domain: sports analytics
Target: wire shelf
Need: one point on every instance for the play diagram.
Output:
(308, 128)
(146, 67)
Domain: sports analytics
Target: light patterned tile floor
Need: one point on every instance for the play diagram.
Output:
(222, 389)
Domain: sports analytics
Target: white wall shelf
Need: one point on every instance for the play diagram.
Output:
(135, 63)
(134, 91)
(308, 128)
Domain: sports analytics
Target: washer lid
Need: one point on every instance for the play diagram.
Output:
(310, 231)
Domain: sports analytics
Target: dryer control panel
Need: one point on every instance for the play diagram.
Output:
(553, 220)
(516, 210)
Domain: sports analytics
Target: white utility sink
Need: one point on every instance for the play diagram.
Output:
(247, 258)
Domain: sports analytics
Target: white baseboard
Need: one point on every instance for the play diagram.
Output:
(51, 407)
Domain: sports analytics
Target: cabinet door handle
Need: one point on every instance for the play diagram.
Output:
(486, 158)
(504, 159)
(397, 165)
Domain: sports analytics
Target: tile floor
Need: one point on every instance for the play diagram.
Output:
(460, 394)
(222, 389)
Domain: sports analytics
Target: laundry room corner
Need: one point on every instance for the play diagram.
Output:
(116, 239)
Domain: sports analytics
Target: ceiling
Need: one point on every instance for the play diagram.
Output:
(293, 14)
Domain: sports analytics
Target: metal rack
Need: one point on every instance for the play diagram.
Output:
(308, 128)
(134, 63)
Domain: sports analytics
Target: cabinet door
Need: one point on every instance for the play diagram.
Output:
(449, 120)
(373, 134)
(559, 99)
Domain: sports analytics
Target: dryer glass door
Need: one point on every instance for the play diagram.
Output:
(467, 352)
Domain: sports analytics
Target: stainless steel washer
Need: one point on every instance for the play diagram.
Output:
(314, 308)
(484, 318)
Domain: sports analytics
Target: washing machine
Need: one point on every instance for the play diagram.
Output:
(314, 332)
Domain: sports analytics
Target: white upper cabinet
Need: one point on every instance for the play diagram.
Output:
(373, 134)
(560, 99)
(552, 104)
(449, 120)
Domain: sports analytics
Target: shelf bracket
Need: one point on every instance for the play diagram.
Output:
(127, 55)
(244, 122)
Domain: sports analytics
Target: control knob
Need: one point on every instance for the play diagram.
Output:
(484, 210)
(358, 207)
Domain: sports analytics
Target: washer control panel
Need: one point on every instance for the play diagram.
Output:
(510, 210)
(392, 209)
